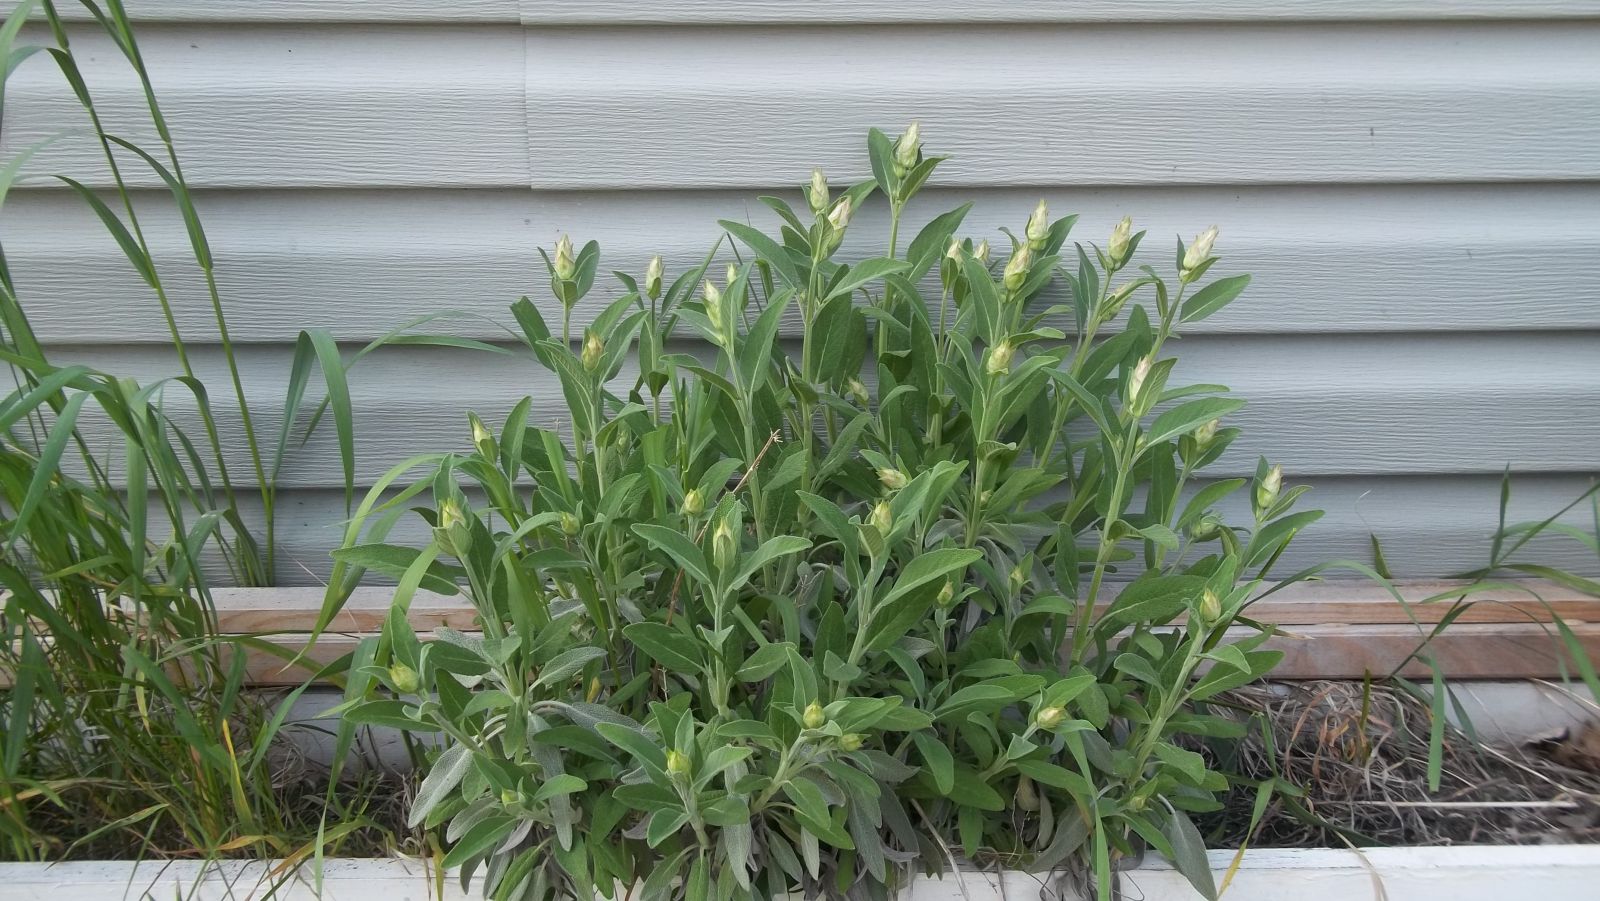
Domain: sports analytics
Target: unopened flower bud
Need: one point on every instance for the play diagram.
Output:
(1117, 300)
(947, 595)
(1049, 717)
(713, 303)
(1117, 245)
(1017, 268)
(677, 763)
(1136, 379)
(724, 545)
(593, 349)
(729, 274)
(1039, 226)
(892, 479)
(570, 524)
(999, 358)
(1199, 251)
(1206, 432)
(814, 717)
(908, 149)
(858, 392)
(1267, 490)
(482, 438)
(882, 518)
(452, 532)
(1206, 527)
(694, 503)
(1017, 579)
(953, 253)
(652, 277)
(851, 741)
(564, 265)
(1210, 607)
(840, 217)
(404, 679)
(1027, 795)
(981, 252)
(817, 192)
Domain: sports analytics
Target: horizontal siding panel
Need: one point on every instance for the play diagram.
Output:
(1085, 105)
(271, 107)
(1324, 259)
(1391, 404)
(738, 12)
(1428, 526)
(439, 11)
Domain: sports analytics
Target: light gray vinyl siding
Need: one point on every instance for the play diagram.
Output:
(1415, 186)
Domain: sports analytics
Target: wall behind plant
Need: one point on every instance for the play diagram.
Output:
(1413, 184)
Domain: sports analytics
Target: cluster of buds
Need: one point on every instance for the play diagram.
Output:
(724, 544)
(892, 479)
(999, 362)
(814, 716)
(694, 503)
(1016, 272)
(451, 530)
(652, 277)
(1197, 254)
(1117, 245)
(1267, 489)
(1038, 231)
(817, 192)
(908, 150)
(593, 350)
(482, 438)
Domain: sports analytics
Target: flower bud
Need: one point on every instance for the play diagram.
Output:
(677, 763)
(1117, 245)
(713, 303)
(882, 518)
(858, 392)
(1017, 268)
(570, 524)
(840, 217)
(999, 358)
(1199, 251)
(694, 503)
(1206, 432)
(1136, 379)
(892, 479)
(729, 274)
(1039, 226)
(564, 265)
(593, 349)
(1117, 300)
(482, 438)
(908, 149)
(1049, 717)
(724, 545)
(947, 595)
(404, 679)
(1027, 795)
(510, 796)
(981, 252)
(1210, 607)
(1017, 579)
(1206, 527)
(953, 253)
(652, 277)
(817, 192)
(814, 717)
(1267, 489)
(452, 532)
(851, 741)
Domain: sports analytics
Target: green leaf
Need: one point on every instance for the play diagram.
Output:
(1189, 853)
(669, 647)
(563, 665)
(938, 759)
(678, 547)
(766, 248)
(393, 560)
(867, 271)
(929, 567)
(1214, 297)
(479, 840)
(1186, 416)
(443, 776)
(767, 659)
(770, 550)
